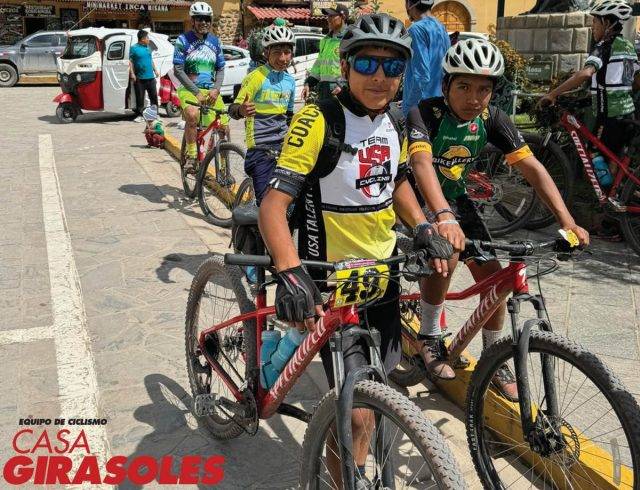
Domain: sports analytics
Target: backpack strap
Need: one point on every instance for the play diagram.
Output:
(334, 145)
(398, 120)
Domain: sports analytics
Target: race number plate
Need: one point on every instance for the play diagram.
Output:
(359, 285)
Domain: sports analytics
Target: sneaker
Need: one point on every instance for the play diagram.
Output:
(434, 355)
(505, 382)
(138, 119)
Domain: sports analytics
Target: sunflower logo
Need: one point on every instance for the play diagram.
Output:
(452, 169)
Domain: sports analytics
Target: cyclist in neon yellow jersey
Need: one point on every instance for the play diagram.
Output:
(198, 63)
(266, 100)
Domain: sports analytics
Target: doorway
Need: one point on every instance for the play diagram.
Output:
(34, 24)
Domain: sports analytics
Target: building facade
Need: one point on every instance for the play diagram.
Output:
(19, 18)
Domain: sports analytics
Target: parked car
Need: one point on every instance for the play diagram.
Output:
(36, 54)
(305, 54)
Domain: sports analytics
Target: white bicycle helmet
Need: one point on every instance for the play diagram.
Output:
(474, 57)
(277, 35)
(618, 8)
(200, 8)
(376, 30)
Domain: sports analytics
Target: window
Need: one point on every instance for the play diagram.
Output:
(152, 47)
(44, 40)
(313, 45)
(116, 51)
(62, 39)
(79, 47)
(232, 54)
(301, 49)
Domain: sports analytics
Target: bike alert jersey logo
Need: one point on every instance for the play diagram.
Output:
(453, 161)
(374, 169)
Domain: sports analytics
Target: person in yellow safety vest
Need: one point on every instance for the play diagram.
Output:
(324, 76)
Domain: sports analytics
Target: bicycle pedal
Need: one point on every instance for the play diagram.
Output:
(616, 205)
(204, 405)
(460, 363)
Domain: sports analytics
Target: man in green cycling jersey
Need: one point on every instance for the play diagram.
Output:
(324, 76)
(445, 136)
(198, 63)
(351, 208)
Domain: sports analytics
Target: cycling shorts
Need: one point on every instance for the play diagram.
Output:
(259, 164)
(385, 317)
(186, 96)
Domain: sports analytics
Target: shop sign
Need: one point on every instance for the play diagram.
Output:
(124, 6)
(539, 71)
(39, 11)
(10, 9)
(318, 5)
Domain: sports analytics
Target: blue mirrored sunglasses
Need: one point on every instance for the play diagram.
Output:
(368, 65)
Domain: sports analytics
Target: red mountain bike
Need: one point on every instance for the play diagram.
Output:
(574, 426)
(622, 200)
(223, 343)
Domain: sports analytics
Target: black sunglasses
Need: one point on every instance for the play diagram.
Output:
(202, 18)
(368, 65)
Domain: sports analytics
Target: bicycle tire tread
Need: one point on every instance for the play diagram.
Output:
(442, 462)
(211, 266)
(628, 408)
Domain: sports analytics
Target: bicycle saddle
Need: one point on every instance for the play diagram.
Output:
(246, 215)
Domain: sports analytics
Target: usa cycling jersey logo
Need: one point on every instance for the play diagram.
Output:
(374, 169)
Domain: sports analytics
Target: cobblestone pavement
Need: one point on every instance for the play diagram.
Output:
(134, 245)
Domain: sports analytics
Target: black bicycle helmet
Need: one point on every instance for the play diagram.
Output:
(376, 30)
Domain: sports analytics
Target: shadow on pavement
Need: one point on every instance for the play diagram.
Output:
(177, 433)
(94, 118)
(187, 262)
(157, 195)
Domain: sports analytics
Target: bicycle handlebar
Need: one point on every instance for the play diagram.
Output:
(206, 107)
(516, 249)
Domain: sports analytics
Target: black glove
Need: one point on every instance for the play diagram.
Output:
(296, 295)
(426, 238)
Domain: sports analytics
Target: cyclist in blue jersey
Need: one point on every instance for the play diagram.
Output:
(430, 41)
(266, 100)
(198, 63)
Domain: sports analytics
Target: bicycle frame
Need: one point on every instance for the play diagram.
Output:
(494, 291)
(201, 134)
(579, 133)
(268, 401)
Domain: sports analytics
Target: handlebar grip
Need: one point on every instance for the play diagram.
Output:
(248, 260)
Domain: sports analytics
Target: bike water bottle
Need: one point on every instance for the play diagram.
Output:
(602, 170)
(270, 340)
(286, 347)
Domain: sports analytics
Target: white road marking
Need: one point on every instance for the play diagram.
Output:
(76, 369)
(20, 335)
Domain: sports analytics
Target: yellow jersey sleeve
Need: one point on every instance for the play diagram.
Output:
(250, 86)
(518, 155)
(304, 141)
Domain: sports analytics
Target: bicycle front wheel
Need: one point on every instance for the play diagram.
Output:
(189, 176)
(586, 425)
(219, 183)
(404, 446)
(559, 167)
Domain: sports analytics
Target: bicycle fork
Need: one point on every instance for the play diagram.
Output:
(344, 389)
(542, 433)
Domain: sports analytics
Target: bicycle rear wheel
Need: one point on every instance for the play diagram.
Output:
(189, 177)
(559, 167)
(630, 196)
(505, 199)
(218, 183)
(419, 457)
(593, 442)
(219, 292)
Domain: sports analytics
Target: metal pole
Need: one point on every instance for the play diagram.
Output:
(500, 12)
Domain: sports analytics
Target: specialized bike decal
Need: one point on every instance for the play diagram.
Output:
(586, 161)
(360, 285)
